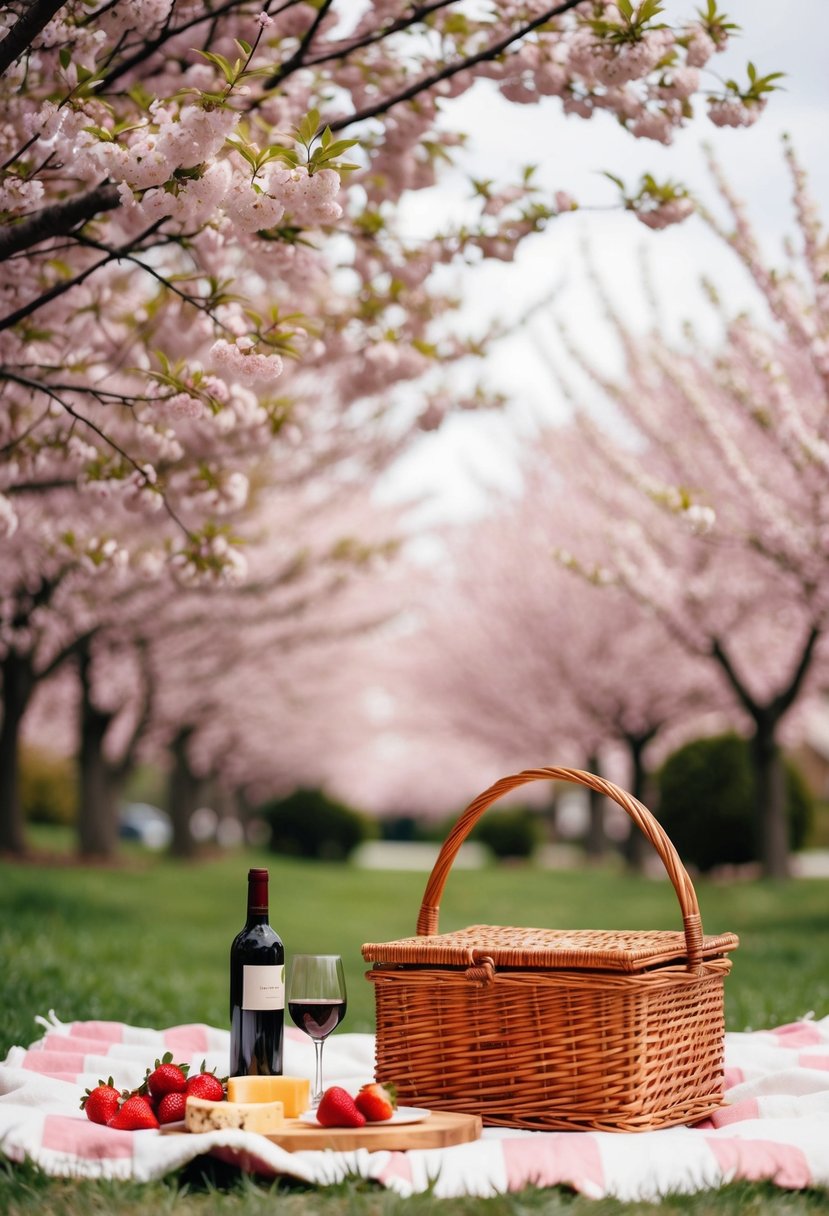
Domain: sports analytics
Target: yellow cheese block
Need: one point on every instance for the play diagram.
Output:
(204, 1115)
(293, 1092)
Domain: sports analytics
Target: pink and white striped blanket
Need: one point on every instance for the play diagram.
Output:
(775, 1125)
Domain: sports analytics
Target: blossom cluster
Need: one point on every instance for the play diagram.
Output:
(193, 251)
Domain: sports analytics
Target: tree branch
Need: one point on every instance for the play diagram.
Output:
(57, 220)
(36, 15)
(152, 272)
(778, 705)
(49, 392)
(66, 652)
(298, 58)
(452, 69)
(40, 487)
(149, 48)
(789, 695)
(344, 48)
(743, 695)
(60, 289)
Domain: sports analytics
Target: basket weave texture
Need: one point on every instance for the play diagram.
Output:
(554, 1029)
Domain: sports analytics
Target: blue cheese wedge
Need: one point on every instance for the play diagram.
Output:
(204, 1115)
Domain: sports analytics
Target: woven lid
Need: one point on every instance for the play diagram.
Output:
(560, 949)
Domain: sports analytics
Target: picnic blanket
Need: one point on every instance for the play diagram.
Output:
(774, 1126)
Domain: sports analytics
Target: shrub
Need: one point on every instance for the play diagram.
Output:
(48, 787)
(509, 833)
(310, 824)
(706, 802)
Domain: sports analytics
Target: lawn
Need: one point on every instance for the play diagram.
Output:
(147, 942)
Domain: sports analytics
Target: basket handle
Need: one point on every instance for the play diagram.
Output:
(427, 921)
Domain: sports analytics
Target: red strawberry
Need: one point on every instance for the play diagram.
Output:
(338, 1109)
(135, 1115)
(166, 1077)
(101, 1103)
(376, 1102)
(171, 1108)
(205, 1085)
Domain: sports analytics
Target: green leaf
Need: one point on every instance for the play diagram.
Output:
(339, 146)
(648, 9)
(221, 63)
(287, 154)
(247, 151)
(65, 56)
(308, 127)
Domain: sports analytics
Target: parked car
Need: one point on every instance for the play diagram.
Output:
(146, 824)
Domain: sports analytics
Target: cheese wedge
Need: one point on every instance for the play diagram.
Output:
(293, 1092)
(204, 1115)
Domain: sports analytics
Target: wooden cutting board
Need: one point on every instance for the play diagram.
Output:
(440, 1130)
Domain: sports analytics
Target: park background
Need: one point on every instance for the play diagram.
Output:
(390, 694)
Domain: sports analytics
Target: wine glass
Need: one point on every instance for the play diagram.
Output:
(317, 1002)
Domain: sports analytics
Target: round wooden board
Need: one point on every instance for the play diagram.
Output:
(442, 1129)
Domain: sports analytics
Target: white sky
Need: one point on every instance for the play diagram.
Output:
(571, 154)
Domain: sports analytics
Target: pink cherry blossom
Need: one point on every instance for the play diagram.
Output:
(199, 303)
(734, 112)
(241, 359)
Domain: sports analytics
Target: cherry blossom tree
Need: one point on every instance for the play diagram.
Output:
(196, 681)
(173, 187)
(714, 514)
(201, 260)
(514, 659)
(51, 608)
(254, 697)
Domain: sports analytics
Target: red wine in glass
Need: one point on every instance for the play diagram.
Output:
(317, 1003)
(317, 1017)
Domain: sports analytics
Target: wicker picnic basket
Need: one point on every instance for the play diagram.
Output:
(545, 1029)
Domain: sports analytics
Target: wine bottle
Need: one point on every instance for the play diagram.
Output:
(257, 989)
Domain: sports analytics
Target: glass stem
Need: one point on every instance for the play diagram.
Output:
(318, 1046)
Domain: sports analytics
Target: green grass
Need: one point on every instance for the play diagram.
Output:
(209, 1189)
(147, 942)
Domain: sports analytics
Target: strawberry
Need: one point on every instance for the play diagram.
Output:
(376, 1102)
(165, 1078)
(135, 1115)
(338, 1109)
(101, 1103)
(171, 1108)
(205, 1085)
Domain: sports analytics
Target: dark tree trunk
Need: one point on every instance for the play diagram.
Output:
(770, 794)
(98, 780)
(769, 772)
(18, 685)
(184, 795)
(100, 787)
(637, 849)
(595, 840)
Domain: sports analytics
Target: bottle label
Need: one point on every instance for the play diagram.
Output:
(263, 987)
